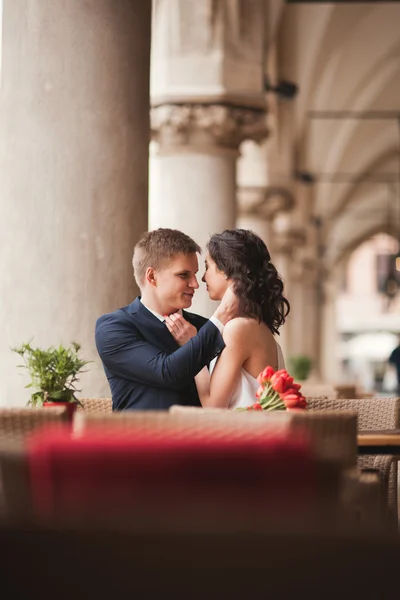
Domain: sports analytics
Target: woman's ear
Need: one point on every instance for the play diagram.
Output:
(151, 276)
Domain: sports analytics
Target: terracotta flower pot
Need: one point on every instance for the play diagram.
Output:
(70, 406)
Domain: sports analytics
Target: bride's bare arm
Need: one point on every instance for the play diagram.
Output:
(216, 392)
(202, 380)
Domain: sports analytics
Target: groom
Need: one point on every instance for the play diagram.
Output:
(145, 367)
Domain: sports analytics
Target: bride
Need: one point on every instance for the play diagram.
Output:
(239, 259)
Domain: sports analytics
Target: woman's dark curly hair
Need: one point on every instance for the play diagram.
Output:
(244, 258)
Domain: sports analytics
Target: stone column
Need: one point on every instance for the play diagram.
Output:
(287, 240)
(311, 315)
(74, 168)
(207, 98)
(305, 277)
(303, 291)
(329, 365)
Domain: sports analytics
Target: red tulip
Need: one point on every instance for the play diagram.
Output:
(259, 391)
(281, 381)
(265, 375)
(277, 388)
(296, 386)
(302, 402)
(290, 400)
(294, 401)
(291, 390)
(257, 406)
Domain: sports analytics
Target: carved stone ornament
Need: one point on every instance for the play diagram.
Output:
(306, 269)
(288, 240)
(249, 199)
(205, 124)
(276, 200)
(266, 203)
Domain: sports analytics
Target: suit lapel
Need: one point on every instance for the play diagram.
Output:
(194, 319)
(152, 329)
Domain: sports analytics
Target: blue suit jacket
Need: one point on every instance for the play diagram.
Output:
(145, 367)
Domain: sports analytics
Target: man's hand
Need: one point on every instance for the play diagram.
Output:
(180, 329)
(229, 307)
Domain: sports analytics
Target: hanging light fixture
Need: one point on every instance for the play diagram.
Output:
(391, 283)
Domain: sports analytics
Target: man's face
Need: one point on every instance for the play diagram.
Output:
(176, 282)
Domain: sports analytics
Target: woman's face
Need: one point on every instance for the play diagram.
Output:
(215, 280)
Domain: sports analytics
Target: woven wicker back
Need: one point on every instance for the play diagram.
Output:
(96, 405)
(333, 433)
(373, 413)
(223, 423)
(16, 423)
(15, 496)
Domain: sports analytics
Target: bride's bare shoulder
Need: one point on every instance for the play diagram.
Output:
(239, 327)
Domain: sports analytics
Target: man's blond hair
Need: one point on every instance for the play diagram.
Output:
(159, 245)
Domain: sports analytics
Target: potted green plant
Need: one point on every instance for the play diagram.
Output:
(54, 374)
(300, 366)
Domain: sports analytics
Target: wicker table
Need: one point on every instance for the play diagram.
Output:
(379, 442)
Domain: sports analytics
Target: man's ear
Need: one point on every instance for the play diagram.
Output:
(151, 276)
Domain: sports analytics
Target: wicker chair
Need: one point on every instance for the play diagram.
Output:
(15, 495)
(96, 405)
(334, 437)
(333, 434)
(228, 429)
(373, 414)
(16, 423)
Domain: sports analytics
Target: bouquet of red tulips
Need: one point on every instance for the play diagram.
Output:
(277, 391)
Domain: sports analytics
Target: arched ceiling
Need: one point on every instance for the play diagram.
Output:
(373, 208)
(346, 58)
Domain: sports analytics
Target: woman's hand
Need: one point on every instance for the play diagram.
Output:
(180, 329)
(229, 307)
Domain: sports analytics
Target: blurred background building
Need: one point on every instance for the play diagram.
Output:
(279, 117)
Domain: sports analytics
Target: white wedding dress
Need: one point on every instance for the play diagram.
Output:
(245, 392)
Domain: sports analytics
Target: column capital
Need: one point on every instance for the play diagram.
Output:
(191, 124)
(266, 203)
(287, 240)
(306, 269)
